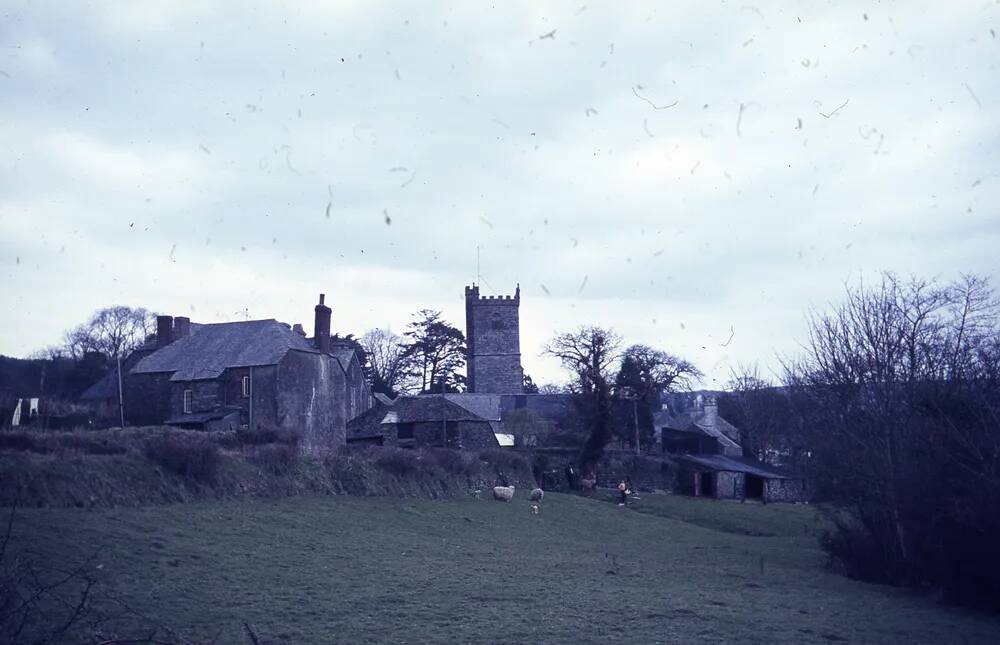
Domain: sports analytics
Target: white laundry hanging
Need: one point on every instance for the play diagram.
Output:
(16, 421)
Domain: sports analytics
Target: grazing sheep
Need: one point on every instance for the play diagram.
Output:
(537, 494)
(476, 493)
(503, 493)
(534, 509)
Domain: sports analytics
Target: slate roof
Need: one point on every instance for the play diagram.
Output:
(211, 349)
(411, 409)
(686, 422)
(106, 388)
(430, 407)
(202, 417)
(740, 465)
(486, 406)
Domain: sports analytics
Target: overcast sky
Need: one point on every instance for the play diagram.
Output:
(693, 175)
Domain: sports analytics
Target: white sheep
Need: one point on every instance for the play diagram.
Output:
(503, 493)
(537, 494)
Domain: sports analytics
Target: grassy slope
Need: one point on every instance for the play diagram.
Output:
(342, 569)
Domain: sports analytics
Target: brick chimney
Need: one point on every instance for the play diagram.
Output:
(322, 325)
(297, 328)
(182, 327)
(164, 330)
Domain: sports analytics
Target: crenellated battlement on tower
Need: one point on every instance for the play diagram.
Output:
(472, 295)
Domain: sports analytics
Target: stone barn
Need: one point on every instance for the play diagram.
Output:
(255, 373)
(725, 477)
(427, 420)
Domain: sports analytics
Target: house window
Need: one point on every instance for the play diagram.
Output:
(404, 431)
(246, 387)
(188, 396)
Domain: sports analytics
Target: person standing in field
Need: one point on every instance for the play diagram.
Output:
(622, 492)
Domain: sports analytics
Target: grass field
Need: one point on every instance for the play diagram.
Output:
(364, 570)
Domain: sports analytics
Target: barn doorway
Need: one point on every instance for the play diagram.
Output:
(707, 484)
(754, 487)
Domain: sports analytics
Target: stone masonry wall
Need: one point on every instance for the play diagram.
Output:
(494, 345)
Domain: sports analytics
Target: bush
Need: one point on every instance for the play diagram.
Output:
(398, 461)
(450, 461)
(857, 552)
(20, 441)
(265, 434)
(506, 461)
(277, 459)
(91, 445)
(194, 458)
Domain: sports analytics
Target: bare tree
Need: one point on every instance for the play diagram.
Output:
(902, 403)
(112, 331)
(590, 354)
(391, 365)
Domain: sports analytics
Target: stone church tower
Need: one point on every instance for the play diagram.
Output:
(493, 337)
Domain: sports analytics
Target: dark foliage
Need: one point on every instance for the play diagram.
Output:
(398, 461)
(48, 442)
(452, 462)
(899, 400)
(263, 434)
(505, 461)
(20, 441)
(277, 459)
(196, 459)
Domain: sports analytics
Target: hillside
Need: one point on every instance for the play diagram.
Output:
(364, 570)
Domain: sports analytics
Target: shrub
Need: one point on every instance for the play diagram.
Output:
(91, 445)
(194, 458)
(21, 441)
(506, 461)
(265, 434)
(277, 459)
(450, 461)
(398, 461)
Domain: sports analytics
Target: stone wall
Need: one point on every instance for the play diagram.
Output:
(785, 490)
(310, 400)
(147, 398)
(729, 485)
(465, 435)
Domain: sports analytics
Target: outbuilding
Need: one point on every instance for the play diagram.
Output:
(729, 477)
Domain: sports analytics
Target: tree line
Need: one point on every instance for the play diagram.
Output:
(893, 409)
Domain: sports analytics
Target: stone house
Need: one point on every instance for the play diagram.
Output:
(255, 373)
(427, 420)
(710, 458)
(696, 429)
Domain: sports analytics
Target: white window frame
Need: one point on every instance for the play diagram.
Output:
(246, 387)
(188, 401)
